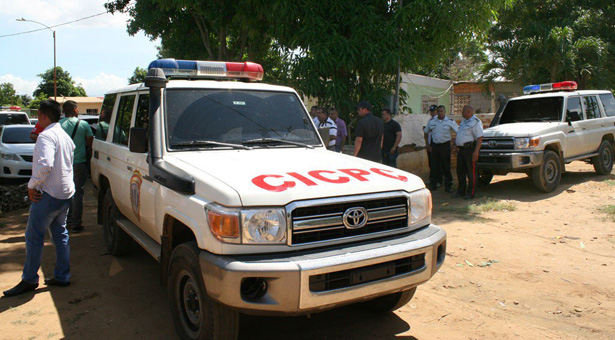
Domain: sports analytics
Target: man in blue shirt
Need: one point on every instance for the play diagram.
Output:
(440, 129)
(468, 141)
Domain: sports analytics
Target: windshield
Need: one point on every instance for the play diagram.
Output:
(546, 109)
(19, 135)
(13, 118)
(230, 118)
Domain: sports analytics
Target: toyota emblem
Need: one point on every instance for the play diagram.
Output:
(493, 144)
(355, 218)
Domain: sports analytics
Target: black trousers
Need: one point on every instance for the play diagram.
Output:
(441, 164)
(467, 173)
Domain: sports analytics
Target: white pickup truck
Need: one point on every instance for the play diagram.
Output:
(553, 125)
(227, 184)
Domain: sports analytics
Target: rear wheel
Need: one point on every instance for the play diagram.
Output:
(389, 303)
(603, 163)
(117, 241)
(195, 315)
(547, 176)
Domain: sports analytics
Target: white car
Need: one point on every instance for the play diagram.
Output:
(13, 118)
(552, 125)
(229, 186)
(16, 149)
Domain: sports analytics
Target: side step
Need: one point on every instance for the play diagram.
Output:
(144, 240)
(568, 160)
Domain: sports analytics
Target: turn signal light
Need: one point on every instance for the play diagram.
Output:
(222, 225)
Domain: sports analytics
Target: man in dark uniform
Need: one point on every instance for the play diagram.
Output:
(468, 141)
(392, 137)
(440, 129)
(368, 134)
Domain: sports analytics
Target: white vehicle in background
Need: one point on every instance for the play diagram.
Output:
(552, 125)
(16, 149)
(228, 185)
(14, 118)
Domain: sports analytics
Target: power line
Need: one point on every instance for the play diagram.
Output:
(58, 25)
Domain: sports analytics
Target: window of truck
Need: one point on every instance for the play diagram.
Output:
(533, 110)
(592, 111)
(574, 111)
(237, 117)
(609, 104)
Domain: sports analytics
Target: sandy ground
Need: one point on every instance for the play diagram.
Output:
(543, 271)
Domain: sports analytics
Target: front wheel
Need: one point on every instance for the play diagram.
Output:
(547, 176)
(195, 315)
(603, 163)
(389, 303)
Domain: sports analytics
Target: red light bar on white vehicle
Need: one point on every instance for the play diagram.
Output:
(209, 69)
(550, 87)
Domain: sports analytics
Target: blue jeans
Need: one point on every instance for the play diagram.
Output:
(389, 158)
(47, 213)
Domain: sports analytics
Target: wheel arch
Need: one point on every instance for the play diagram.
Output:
(174, 233)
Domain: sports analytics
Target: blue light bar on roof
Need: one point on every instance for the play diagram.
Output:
(561, 86)
(531, 89)
(208, 69)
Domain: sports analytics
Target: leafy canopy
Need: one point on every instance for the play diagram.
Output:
(538, 41)
(138, 75)
(65, 85)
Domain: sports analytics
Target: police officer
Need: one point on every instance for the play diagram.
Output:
(440, 129)
(468, 141)
(433, 112)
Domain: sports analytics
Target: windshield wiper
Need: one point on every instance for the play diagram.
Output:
(210, 143)
(275, 140)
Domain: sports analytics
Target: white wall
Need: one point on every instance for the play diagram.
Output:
(412, 128)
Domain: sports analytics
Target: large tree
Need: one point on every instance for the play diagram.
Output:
(65, 84)
(337, 51)
(8, 95)
(138, 75)
(538, 41)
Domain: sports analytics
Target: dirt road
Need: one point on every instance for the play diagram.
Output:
(520, 265)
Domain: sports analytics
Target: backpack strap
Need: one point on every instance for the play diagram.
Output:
(72, 136)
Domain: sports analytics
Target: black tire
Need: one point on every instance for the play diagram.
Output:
(195, 315)
(484, 177)
(603, 163)
(547, 176)
(117, 241)
(389, 303)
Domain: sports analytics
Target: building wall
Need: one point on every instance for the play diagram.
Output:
(483, 98)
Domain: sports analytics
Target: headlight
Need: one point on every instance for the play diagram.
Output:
(247, 226)
(420, 208)
(525, 142)
(9, 156)
(265, 226)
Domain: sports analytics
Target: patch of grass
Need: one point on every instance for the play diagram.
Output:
(19, 322)
(31, 313)
(610, 182)
(51, 335)
(491, 205)
(472, 211)
(609, 210)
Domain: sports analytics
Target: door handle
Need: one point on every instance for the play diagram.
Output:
(129, 167)
(96, 154)
(109, 158)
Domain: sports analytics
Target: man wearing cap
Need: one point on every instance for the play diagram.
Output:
(468, 141)
(433, 112)
(324, 122)
(369, 130)
(440, 146)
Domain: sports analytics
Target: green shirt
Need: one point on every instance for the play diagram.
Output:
(84, 130)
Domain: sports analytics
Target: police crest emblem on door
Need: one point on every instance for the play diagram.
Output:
(135, 193)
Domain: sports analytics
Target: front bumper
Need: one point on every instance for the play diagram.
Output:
(288, 277)
(509, 160)
(15, 169)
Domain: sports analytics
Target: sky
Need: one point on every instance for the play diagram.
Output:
(98, 52)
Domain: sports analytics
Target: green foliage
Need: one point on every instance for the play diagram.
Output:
(138, 76)
(65, 85)
(36, 102)
(8, 95)
(538, 41)
(609, 210)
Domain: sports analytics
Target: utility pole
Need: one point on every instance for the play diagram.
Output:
(55, 82)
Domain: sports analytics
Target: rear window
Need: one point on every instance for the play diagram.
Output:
(533, 110)
(17, 136)
(13, 118)
(609, 104)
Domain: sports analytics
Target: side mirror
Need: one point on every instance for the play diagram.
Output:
(568, 120)
(138, 140)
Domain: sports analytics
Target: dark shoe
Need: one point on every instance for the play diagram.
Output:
(457, 195)
(468, 197)
(22, 287)
(449, 190)
(54, 282)
(78, 229)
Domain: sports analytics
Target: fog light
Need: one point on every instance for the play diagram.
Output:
(253, 288)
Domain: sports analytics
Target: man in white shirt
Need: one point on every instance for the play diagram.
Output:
(50, 189)
(323, 121)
